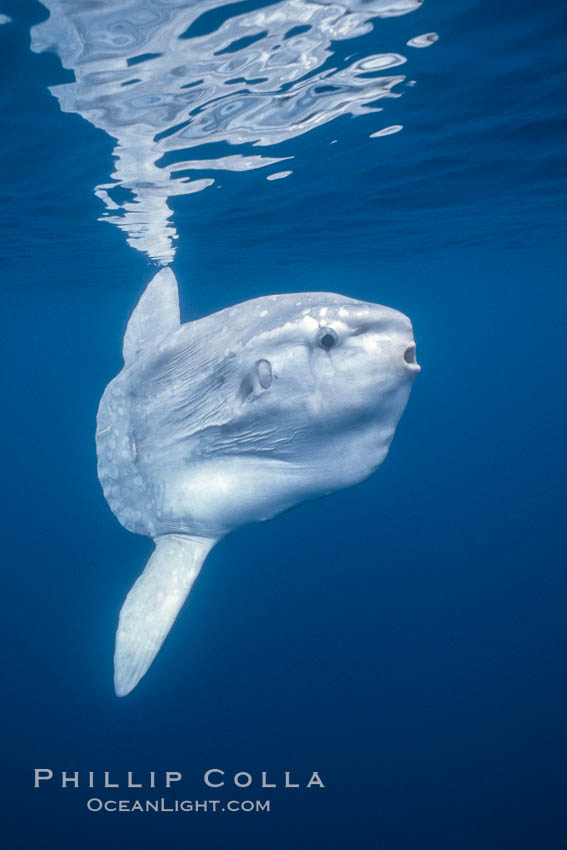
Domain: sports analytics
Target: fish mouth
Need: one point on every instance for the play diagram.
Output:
(410, 358)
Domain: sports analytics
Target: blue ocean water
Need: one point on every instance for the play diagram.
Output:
(405, 638)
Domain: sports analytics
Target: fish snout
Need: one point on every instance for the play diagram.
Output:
(410, 360)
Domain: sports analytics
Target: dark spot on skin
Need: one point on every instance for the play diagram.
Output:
(133, 446)
(245, 388)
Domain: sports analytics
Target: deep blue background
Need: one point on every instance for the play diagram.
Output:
(406, 638)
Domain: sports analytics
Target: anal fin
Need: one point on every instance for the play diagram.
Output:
(152, 605)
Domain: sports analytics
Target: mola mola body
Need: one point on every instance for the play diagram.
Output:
(232, 419)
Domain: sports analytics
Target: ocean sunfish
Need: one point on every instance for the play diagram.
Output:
(233, 418)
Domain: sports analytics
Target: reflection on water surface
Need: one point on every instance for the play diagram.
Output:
(163, 77)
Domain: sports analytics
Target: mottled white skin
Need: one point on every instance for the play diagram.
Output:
(232, 419)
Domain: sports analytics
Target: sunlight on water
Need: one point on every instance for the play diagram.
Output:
(165, 76)
(425, 40)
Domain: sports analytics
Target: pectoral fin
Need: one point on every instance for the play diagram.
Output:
(152, 605)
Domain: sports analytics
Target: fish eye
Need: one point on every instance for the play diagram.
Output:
(327, 338)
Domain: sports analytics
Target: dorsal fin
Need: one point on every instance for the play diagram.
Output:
(155, 315)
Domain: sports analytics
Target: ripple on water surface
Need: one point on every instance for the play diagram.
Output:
(165, 76)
